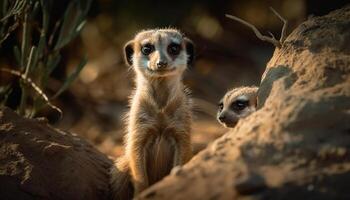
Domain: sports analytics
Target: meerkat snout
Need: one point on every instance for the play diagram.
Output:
(238, 103)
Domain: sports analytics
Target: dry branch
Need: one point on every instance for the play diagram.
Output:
(285, 25)
(9, 31)
(271, 39)
(34, 86)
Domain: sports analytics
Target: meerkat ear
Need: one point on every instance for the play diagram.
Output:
(128, 52)
(190, 51)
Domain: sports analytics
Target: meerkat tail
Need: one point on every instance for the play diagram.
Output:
(120, 182)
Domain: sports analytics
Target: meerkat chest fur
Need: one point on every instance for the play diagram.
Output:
(158, 105)
(159, 120)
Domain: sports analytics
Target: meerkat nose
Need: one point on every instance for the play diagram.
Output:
(161, 64)
(222, 118)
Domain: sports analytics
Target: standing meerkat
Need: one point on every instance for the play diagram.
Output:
(159, 120)
(237, 103)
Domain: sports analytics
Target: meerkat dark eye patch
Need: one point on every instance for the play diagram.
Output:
(239, 105)
(147, 49)
(174, 48)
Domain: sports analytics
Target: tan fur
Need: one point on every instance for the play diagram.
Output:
(120, 181)
(159, 120)
(232, 117)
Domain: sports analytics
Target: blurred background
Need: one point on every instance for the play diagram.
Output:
(228, 55)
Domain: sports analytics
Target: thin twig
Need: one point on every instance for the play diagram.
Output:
(259, 35)
(285, 25)
(272, 35)
(9, 31)
(256, 31)
(34, 86)
(57, 25)
(14, 10)
(29, 62)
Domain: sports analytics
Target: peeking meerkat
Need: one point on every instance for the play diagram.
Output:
(159, 120)
(237, 103)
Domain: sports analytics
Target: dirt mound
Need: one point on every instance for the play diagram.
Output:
(40, 162)
(297, 145)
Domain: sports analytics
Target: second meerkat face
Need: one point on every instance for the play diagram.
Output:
(159, 52)
(236, 104)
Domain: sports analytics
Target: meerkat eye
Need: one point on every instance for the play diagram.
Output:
(174, 49)
(239, 105)
(221, 106)
(147, 49)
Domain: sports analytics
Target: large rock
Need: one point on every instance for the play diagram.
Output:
(297, 145)
(40, 162)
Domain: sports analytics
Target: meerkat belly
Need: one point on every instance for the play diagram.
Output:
(161, 146)
(160, 157)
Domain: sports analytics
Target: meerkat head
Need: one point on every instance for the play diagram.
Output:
(236, 104)
(159, 52)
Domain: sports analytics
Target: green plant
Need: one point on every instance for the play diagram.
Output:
(39, 52)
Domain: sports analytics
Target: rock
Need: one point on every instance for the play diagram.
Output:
(251, 184)
(297, 143)
(40, 162)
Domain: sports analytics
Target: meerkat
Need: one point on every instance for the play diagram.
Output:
(237, 103)
(159, 120)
